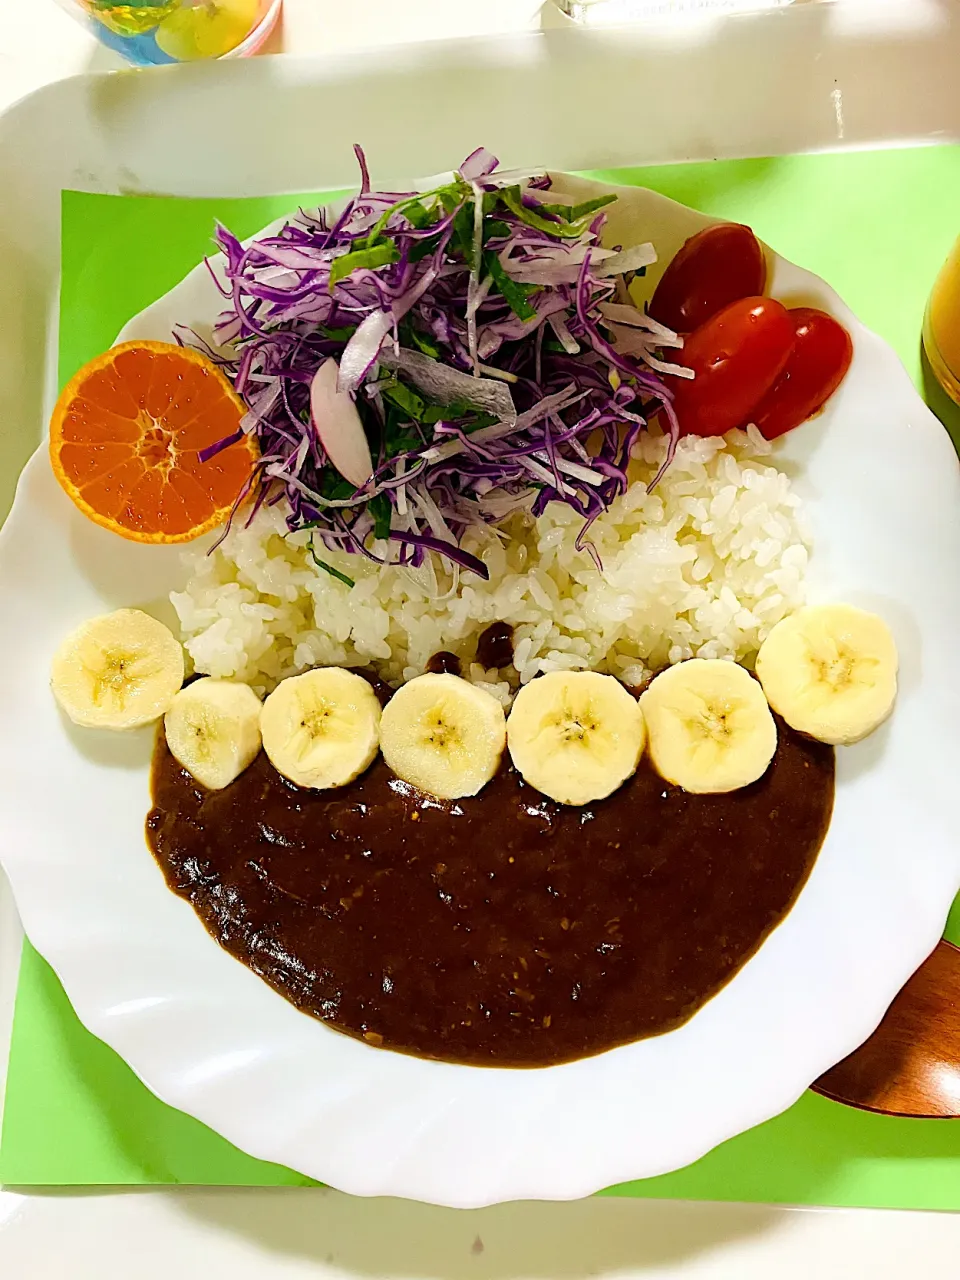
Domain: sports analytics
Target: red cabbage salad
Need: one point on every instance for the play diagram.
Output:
(427, 361)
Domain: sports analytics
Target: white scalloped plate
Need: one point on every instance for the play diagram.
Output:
(206, 1035)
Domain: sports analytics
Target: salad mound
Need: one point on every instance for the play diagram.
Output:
(429, 360)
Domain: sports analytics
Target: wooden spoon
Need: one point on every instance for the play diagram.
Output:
(910, 1066)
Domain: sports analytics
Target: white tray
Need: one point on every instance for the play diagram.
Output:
(808, 78)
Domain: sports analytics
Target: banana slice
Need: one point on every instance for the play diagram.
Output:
(709, 725)
(443, 735)
(321, 729)
(575, 735)
(830, 671)
(118, 671)
(213, 730)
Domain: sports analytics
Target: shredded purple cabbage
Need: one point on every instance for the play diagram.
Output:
(440, 307)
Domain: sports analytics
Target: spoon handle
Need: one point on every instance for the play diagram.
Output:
(910, 1066)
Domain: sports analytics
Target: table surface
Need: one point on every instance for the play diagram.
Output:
(300, 1233)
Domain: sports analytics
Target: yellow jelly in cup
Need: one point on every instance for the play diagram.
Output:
(208, 29)
(131, 20)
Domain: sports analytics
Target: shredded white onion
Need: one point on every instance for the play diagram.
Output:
(401, 490)
(566, 339)
(573, 469)
(632, 259)
(544, 473)
(473, 284)
(621, 313)
(635, 342)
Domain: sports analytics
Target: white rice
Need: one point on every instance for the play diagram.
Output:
(703, 566)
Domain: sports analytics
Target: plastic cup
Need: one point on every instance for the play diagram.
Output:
(153, 32)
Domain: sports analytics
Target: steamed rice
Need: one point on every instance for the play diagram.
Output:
(703, 566)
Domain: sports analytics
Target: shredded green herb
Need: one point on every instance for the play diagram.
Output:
(514, 294)
(494, 229)
(378, 255)
(415, 210)
(379, 507)
(418, 216)
(342, 333)
(425, 343)
(328, 568)
(578, 212)
(404, 399)
(551, 227)
(469, 418)
(463, 233)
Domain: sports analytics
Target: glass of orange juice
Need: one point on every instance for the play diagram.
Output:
(941, 325)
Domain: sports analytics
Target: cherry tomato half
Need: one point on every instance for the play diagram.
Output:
(736, 358)
(716, 266)
(822, 351)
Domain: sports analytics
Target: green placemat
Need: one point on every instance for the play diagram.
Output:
(877, 225)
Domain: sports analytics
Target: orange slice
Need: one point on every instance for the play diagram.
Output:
(126, 435)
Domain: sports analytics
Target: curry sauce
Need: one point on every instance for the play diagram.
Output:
(500, 930)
